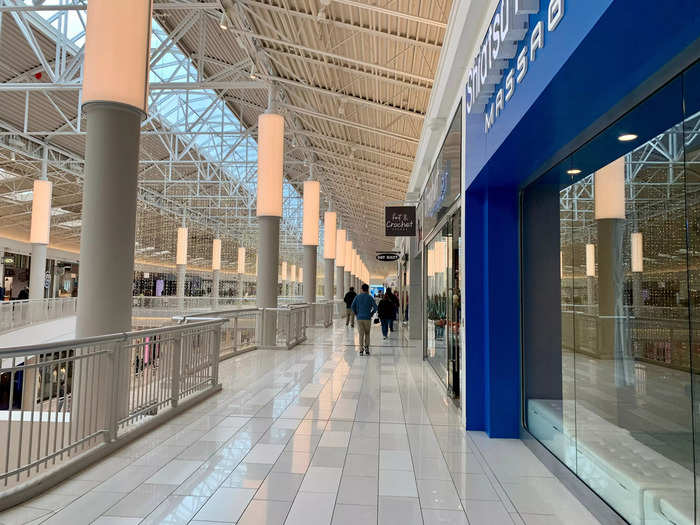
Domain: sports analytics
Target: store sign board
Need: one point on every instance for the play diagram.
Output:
(493, 77)
(388, 257)
(400, 221)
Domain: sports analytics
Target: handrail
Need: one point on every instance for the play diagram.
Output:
(119, 336)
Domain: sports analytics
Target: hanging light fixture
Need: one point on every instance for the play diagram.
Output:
(181, 254)
(216, 255)
(223, 21)
(241, 260)
(41, 212)
(590, 260)
(610, 191)
(329, 235)
(311, 208)
(340, 247)
(284, 270)
(270, 164)
(637, 248)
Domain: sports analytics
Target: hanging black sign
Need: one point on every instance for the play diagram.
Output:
(400, 221)
(387, 257)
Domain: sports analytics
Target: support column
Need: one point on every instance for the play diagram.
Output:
(310, 278)
(108, 219)
(347, 283)
(268, 257)
(329, 275)
(340, 283)
(415, 292)
(215, 271)
(37, 271)
(181, 275)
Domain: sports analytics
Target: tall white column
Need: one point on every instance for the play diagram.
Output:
(269, 212)
(340, 264)
(39, 235)
(115, 101)
(329, 252)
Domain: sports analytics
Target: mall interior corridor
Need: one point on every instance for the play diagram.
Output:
(316, 436)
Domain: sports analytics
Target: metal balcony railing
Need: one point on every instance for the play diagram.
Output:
(65, 405)
(16, 314)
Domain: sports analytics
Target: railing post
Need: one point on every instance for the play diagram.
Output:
(175, 372)
(112, 392)
(216, 348)
(236, 335)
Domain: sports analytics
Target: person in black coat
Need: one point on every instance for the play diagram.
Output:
(386, 313)
(348, 299)
(395, 302)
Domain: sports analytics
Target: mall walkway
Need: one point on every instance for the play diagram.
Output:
(314, 436)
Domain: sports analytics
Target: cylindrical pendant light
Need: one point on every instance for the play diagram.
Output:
(41, 212)
(241, 260)
(116, 61)
(610, 191)
(348, 255)
(293, 272)
(637, 246)
(312, 196)
(284, 270)
(301, 274)
(329, 235)
(181, 253)
(216, 255)
(270, 163)
(590, 260)
(340, 243)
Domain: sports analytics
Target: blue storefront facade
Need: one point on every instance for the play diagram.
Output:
(581, 163)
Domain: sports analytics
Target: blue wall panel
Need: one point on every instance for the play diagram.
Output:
(601, 53)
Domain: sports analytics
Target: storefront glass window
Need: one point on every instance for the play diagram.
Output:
(611, 290)
(437, 301)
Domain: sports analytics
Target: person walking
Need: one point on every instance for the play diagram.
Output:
(395, 302)
(364, 308)
(385, 311)
(348, 299)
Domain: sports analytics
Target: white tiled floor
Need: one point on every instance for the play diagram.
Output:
(316, 436)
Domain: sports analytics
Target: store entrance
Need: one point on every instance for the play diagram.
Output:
(443, 303)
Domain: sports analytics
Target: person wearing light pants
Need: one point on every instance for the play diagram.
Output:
(364, 308)
(348, 299)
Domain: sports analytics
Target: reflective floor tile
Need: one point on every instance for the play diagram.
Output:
(395, 460)
(321, 479)
(126, 479)
(199, 451)
(361, 465)
(264, 453)
(115, 520)
(141, 501)
(444, 517)
(248, 475)
(175, 510)
(226, 504)
(475, 486)
(358, 490)
(279, 486)
(333, 457)
(490, 512)
(85, 509)
(363, 445)
(175, 472)
(431, 468)
(438, 494)
(334, 438)
(311, 426)
(399, 511)
(203, 482)
(302, 443)
(397, 483)
(22, 514)
(292, 462)
(354, 514)
(311, 509)
(463, 463)
(261, 512)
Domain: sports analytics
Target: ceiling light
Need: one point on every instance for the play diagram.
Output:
(253, 75)
(13, 156)
(627, 137)
(223, 22)
(573, 171)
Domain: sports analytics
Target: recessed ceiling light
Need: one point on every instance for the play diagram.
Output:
(223, 22)
(573, 171)
(627, 137)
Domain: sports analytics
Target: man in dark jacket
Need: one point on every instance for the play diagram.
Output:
(385, 310)
(349, 315)
(395, 302)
